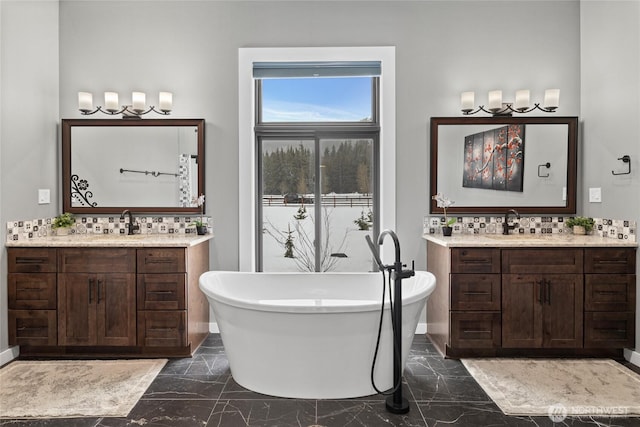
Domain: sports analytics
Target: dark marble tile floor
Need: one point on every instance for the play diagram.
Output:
(200, 391)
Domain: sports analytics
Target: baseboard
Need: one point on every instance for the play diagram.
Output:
(9, 354)
(633, 356)
(421, 329)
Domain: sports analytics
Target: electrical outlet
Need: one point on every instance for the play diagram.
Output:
(44, 196)
(595, 195)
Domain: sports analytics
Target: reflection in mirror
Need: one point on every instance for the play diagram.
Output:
(489, 164)
(142, 165)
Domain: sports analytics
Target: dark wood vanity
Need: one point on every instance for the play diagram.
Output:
(508, 301)
(107, 301)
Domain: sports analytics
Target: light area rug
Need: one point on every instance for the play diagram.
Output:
(74, 388)
(558, 387)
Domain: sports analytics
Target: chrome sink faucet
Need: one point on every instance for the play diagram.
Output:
(506, 227)
(131, 226)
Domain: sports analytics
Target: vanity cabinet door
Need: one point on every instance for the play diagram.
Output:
(96, 309)
(97, 296)
(542, 310)
(76, 309)
(116, 309)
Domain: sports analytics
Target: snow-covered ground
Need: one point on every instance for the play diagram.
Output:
(341, 223)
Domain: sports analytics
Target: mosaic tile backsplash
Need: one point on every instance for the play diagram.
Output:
(38, 228)
(612, 228)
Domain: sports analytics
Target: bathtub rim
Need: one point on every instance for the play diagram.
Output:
(425, 287)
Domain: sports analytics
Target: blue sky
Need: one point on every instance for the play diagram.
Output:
(316, 99)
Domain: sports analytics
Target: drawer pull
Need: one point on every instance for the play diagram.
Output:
(25, 328)
(160, 261)
(476, 293)
(162, 292)
(162, 329)
(620, 331)
(470, 331)
(31, 260)
(609, 292)
(30, 289)
(611, 261)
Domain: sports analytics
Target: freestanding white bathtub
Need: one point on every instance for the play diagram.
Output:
(310, 335)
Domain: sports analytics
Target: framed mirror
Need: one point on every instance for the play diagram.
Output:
(144, 165)
(487, 165)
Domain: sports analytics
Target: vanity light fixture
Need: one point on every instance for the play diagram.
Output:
(521, 105)
(135, 110)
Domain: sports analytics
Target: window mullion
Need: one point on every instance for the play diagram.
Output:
(317, 206)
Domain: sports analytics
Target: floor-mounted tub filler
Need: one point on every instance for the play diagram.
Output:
(311, 335)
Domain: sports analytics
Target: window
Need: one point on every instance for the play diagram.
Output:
(339, 99)
(317, 140)
(249, 133)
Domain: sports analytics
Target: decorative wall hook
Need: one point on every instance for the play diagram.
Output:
(626, 159)
(546, 165)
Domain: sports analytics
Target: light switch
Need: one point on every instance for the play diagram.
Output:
(595, 195)
(44, 196)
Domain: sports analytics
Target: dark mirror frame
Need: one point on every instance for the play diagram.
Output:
(572, 163)
(68, 124)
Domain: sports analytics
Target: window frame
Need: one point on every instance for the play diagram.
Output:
(247, 155)
(316, 131)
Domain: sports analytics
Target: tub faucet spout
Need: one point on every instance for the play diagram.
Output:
(397, 267)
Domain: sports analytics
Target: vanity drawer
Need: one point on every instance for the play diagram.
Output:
(33, 327)
(610, 292)
(610, 260)
(162, 260)
(162, 328)
(475, 292)
(475, 260)
(161, 291)
(31, 260)
(475, 330)
(32, 291)
(609, 329)
(558, 261)
(97, 260)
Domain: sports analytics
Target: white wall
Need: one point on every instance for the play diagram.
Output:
(29, 117)
(610, 110)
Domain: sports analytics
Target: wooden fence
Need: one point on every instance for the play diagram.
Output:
(328, 200)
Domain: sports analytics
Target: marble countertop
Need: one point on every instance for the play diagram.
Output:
(113, 240)
(526, 241)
